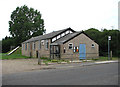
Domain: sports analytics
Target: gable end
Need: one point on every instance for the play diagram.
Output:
(77, 35)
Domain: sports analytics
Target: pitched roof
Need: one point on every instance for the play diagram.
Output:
(66, 38)
(47, 36)
(69, 37)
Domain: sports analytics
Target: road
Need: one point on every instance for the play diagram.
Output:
(103, 74)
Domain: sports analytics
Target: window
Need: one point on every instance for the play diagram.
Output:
(33, 45)
(93, 45)
(28, 46)
(42, 41)
(58, 36)
(46, 44)
(64, 50)
(39, 45)
(25, 46)
(53, 39)
(67, 32)
(70, 45)
(71, 32)
(63, 34)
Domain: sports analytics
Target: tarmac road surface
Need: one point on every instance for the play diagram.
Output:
(102, 74)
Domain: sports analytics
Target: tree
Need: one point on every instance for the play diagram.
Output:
(25, 23)
(94, 34)
(101, 37)
(6, 43)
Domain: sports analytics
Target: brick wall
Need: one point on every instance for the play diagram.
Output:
(80, 39)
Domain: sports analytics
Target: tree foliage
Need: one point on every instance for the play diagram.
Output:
(101, 37)
(6, 43)
(25, 23)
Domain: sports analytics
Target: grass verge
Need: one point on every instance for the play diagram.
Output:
(105, 59)
(16, 55)
(12, 56)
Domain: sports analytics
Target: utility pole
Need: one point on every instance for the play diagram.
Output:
(109, 38)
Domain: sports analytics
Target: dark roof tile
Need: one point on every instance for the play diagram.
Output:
(47, 36)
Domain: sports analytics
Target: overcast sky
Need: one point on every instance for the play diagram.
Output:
(61, 14)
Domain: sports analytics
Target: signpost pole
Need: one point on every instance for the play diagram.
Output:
(109, 38)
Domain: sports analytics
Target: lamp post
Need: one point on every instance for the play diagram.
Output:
(109, 38)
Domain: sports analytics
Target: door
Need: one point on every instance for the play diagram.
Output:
(82, 51)
(36, 54)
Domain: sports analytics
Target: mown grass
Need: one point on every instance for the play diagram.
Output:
(16, 55)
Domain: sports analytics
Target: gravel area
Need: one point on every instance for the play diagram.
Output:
(20, 65)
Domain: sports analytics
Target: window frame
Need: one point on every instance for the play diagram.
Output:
(69, 45)
(93, 45)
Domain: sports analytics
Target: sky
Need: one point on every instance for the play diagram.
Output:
(62, 14)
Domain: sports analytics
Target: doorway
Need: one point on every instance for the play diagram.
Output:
(82, 51)
(36, 54)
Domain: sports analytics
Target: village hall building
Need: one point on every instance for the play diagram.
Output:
(61, 44)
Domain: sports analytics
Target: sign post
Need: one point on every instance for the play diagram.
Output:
(109, 38)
